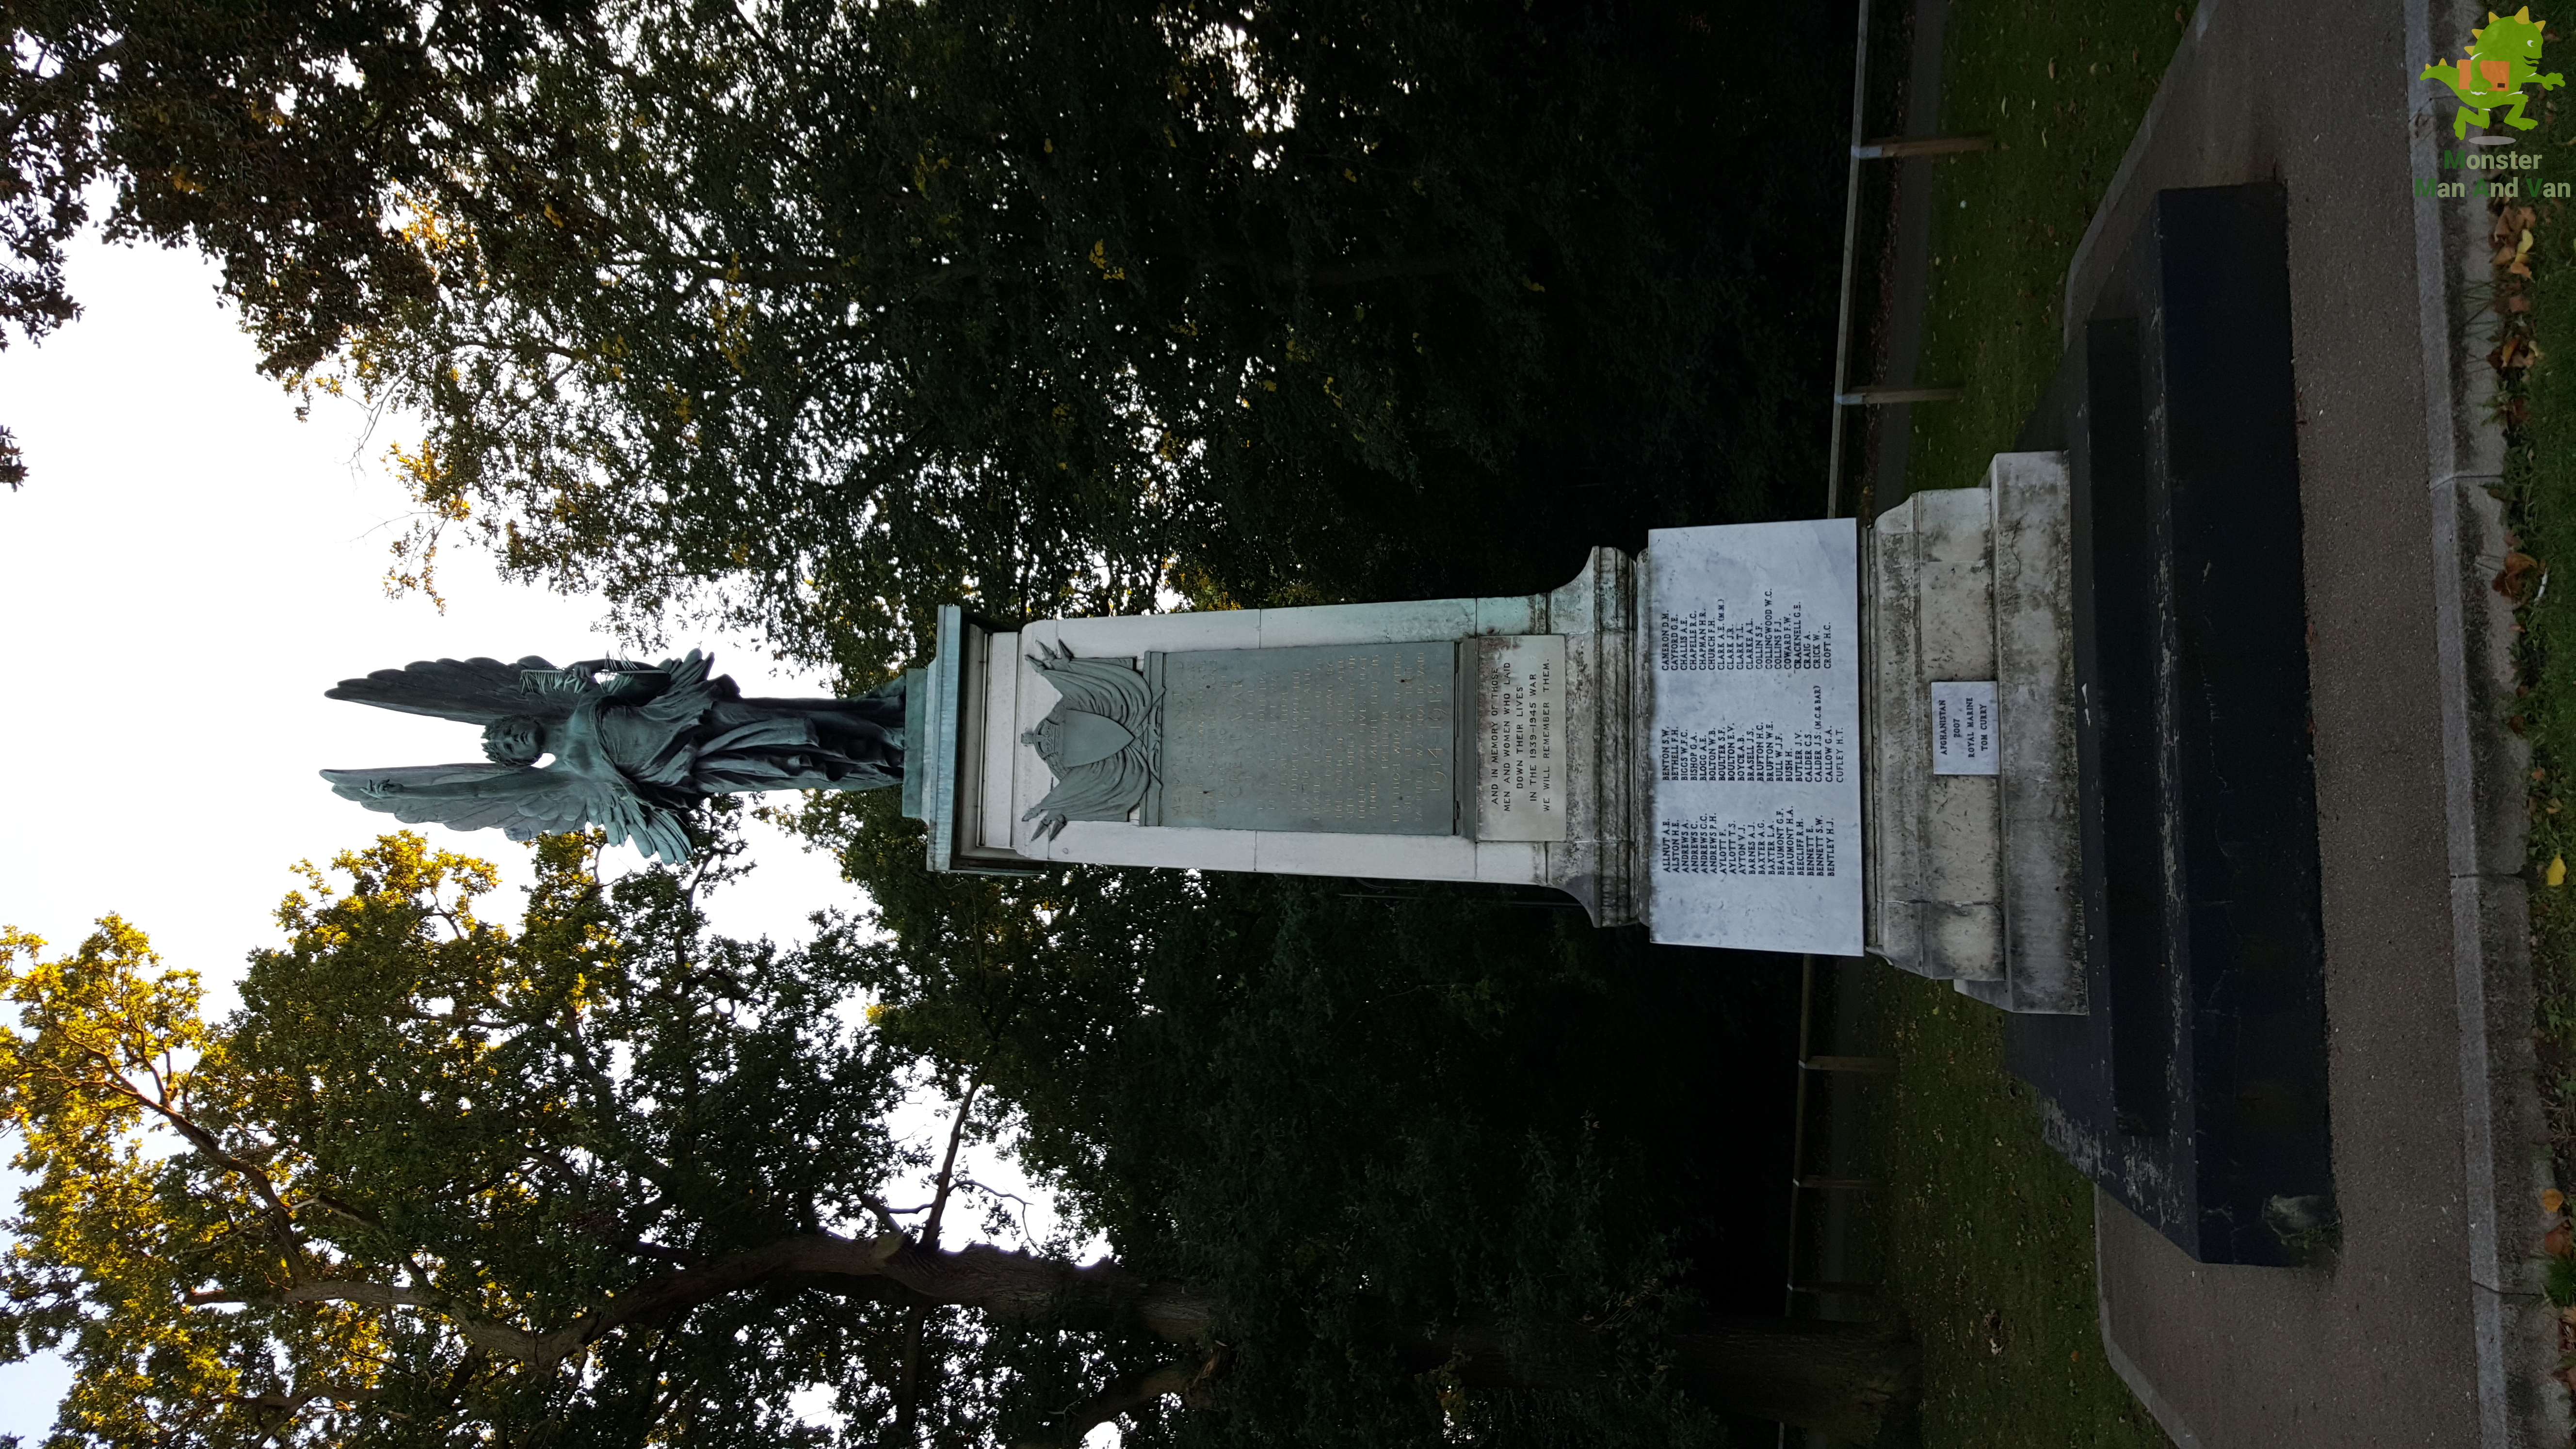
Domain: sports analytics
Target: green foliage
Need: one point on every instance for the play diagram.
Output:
(839, 310)
(1395, 1172)
(1366, 1122)
(382, 1200)
(2534, 301)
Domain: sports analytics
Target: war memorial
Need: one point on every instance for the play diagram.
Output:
(2041, 738)
(2119, 741)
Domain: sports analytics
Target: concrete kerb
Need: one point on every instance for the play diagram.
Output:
(2485, 784)
(2167, 1417)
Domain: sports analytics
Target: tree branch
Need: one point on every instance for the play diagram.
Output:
(1123, 1396)
(908, 1394)
(275, 1213)
(1013, 1287)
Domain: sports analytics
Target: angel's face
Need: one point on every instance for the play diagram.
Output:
(514, 740)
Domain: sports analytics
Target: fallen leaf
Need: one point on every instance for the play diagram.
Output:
(2557, 875)
(2552, 1200)
(2516, 564)
(2558, 1244)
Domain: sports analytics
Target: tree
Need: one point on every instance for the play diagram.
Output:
(609, 1178)
(840, 310)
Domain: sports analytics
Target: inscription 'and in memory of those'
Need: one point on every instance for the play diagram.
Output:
(1520, 737)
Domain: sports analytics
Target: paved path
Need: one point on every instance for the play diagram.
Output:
(2424, 1333)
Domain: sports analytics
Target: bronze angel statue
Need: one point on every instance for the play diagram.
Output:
(635, 747)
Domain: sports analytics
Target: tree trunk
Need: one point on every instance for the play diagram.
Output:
(1841, 1379)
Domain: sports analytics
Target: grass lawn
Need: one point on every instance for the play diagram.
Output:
(1981, 1237)
(2061, 89)
(2534, 300)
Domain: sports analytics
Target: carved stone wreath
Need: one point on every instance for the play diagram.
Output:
(1103, 740)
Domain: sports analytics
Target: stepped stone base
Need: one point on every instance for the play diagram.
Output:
(1977, 878)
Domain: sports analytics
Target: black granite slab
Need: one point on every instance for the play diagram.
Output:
(2195, 1091)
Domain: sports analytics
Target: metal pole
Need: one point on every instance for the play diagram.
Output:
(1851, 231)
(1798, 1141)
(1894, 148)
(1882, 396)
(1798, 1127)
(1833, 508)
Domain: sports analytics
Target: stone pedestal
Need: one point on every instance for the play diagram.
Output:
(1975, 864)
(1672, 740)
(1488, 739)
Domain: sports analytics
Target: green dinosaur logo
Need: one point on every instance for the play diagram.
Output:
(2505, 59)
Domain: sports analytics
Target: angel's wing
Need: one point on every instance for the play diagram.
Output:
(1102, 790)
(476, 691)
(1099, 686)
(521, 801)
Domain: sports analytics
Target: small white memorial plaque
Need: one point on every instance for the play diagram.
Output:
(1754, 749)
(1520, 737)
(1963, 727)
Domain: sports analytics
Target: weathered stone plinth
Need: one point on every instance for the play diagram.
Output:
(1975, 867)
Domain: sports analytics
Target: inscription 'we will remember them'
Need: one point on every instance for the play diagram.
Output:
(1520, 737)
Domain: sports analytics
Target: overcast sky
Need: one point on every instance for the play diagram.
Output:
(184, 573)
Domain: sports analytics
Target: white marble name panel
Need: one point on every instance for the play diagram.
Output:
(1753, 642)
